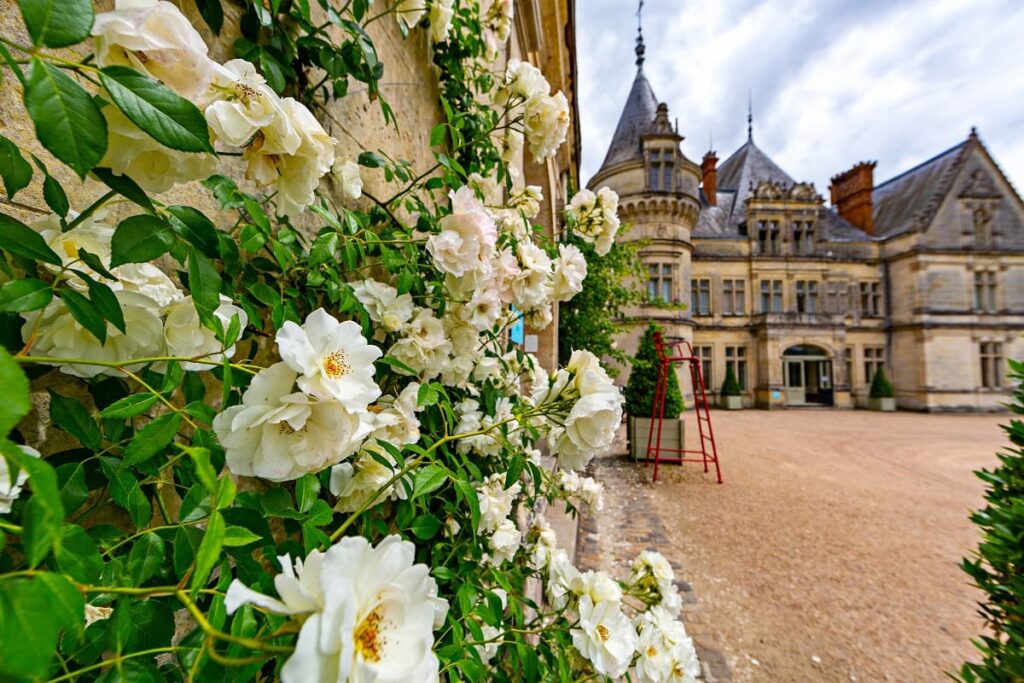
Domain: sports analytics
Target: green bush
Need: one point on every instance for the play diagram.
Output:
(881, 387)
(644, 379)
(731, 386)
(997, 566)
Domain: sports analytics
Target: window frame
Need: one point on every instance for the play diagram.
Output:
(736, 357)
(700, 286)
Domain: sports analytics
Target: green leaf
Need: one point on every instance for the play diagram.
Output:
(70, 415)
(15, 404)
(125, 491)
(124, 186)
(196, 228)
(19, 296)
(320, 514)
(437, 134)
(68, 122)
(106, 303)
(145, 558)
(33, 612)
(44, 511)
(186, 545)
(306, 490)
(85, 313)
(203, 282)
(21, 240)
(129, 406)
(204, 470)
(15, 171)
(152, 438)
(236, 536)
(73, 488)
(209, 551)
(425, 526)
(77, 555)
(140, 239)
(54, 196)
(212, 13)
(93, 261)
(57, 23)
(164, 115)
(428, 479)
(371, 160)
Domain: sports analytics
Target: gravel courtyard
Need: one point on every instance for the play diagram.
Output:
(829, 554)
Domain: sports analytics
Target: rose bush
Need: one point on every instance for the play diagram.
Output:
(289, 451)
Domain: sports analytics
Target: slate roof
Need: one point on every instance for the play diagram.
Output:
(637, 116)
(910, 200)
(747, 166)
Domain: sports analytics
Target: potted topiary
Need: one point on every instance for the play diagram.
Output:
(640, 390)
(881, 395)
(732, 393)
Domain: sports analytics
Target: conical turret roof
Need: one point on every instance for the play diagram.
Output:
(637, 116)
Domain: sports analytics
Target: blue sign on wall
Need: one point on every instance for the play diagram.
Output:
(517, 331)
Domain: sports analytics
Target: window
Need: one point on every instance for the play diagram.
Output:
(985, 291)
(768, 237)
(704, 353)
(871, 299)
(771, 296)
(982, 227)
(806, 296)
(874, 358)
(661, 170)
(848, 360)
(803, 238)
(659, 282)
(734, 297)
(736, 358)
(991, 365)
(835, 296)
(700, 297)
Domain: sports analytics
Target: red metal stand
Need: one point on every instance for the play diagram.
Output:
(680, 351)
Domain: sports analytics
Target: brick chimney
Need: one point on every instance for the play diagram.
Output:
(851, 195)
(709, 177)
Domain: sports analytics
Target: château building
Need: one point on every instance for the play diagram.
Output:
(922, 274)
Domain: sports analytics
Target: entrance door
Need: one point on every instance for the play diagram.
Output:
(796, 390)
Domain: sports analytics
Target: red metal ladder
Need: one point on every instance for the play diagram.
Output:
(680, 351)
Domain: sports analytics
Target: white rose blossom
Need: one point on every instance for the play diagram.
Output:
(504, 543)
(280, 434)
(598, 586)
(666, 653)
(347, 173)
(59, 335)
(410, 12)
(441, 13)
(604, 636)
(155, 38)
(384, 304)
(333, 359)
(495, 501)
(467, 237)
(561, 574)
(595, 217)
(424, 346)
(10, 490)
(369, 613)
(186, 336)
(546, 121)
(570, 270)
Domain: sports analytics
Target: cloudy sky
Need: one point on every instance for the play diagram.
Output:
(833, 81)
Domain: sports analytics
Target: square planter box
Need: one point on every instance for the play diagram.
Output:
(640, 427)
(886, 405)
(732, 402)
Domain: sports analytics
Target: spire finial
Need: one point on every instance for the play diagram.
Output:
(750, 115)
(640, 49)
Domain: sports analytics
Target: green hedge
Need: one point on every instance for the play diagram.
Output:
(881, 387)
(731, 386)
(643, 380)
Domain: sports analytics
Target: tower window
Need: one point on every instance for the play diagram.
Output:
(659, 282)
(985, 291)
(991, 364)
(661, 170)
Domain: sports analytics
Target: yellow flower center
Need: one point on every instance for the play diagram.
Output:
(368, 637)
(336, 365)
(602, 632)
(652, 651)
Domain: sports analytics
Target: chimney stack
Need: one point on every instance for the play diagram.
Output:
(851, 195)
(709, 177)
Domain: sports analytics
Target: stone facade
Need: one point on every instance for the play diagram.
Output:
(922, 275)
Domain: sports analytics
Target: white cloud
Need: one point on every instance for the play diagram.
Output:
(834, 82)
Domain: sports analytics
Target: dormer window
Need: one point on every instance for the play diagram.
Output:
(661, 165)
(803, 237)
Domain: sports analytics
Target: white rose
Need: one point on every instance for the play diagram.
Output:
(495, 501)
(504, 543)
(156, 39)
(279, 434)
(570, 269)
(351, 181)
(604, 636)
(423, 346)
(597, 585)
(561, 574)
(333, 358)
(156, 168)
(363, 480)
(524, 80)
(241, 104)
(410, 12)
(10, 490)
(666, 652)
(148, 280)
(186, 337)
(467, 238)
(441, 13)
(531, 287)
(371, 614)
(383, 303)
(588, 376)
(546, 121)
(590, 428)
(59, 335)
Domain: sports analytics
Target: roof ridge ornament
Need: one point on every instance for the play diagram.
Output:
(750, 115)
(640, 48)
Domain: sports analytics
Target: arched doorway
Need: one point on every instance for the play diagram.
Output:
(807, 371)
